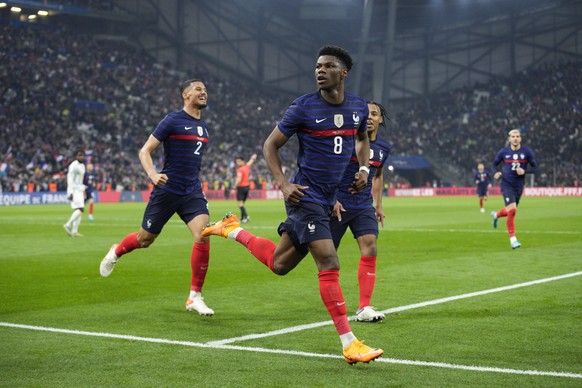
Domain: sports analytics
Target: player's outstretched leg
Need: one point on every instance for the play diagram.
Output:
(221, 228)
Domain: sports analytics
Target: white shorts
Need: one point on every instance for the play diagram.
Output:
(78, 201)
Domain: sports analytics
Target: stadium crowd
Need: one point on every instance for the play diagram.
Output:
(61, 91)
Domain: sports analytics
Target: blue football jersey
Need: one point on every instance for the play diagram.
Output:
(511, 161)
(327, 138)
(379, 152)
(184, 138)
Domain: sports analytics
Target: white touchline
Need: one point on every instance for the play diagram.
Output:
(290, 352)
(223, 343)
(397, 309)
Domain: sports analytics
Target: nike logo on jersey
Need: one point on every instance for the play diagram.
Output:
(187, 128)
(317, 121)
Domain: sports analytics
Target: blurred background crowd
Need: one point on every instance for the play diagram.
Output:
(60, 92)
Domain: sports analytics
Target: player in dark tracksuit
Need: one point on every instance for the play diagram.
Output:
(515, 159)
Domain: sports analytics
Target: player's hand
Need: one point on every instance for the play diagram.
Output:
(497, 175)
(70, 197)
(359, 183)
(380, 216)
(293, 193)
(520, 171)
(338, 208)
(159, 179)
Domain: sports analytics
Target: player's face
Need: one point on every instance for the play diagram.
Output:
(374, 118)
(196, 95)
(480, 168)
(515, 139)
(329, 72)
(81, 157)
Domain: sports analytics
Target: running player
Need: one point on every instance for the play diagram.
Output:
(89, 181)
(329, 123)
(515, 158)
(483, 181)
(362, 211)
(177, 189)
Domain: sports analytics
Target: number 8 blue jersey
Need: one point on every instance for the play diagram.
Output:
(327, 138)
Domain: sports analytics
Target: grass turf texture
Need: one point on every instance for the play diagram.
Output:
(430, 248)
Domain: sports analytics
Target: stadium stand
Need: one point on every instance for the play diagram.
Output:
(60, 91)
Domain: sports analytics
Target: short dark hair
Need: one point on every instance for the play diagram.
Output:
(335, 51)
(383, 112)
(187, 83)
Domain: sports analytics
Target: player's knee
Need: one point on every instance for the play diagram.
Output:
(280, 269)
(512, 211)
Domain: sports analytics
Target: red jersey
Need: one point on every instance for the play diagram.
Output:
(243, 175)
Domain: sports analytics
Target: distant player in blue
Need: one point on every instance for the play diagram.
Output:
(362, 211)
(515, 159)
(89, 182)
(329, 124)
(177, 188)
(483, 181)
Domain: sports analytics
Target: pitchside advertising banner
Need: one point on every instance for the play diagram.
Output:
(46, 198)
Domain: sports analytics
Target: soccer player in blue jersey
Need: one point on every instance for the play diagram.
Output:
(89, 182)
(329, 124)
(515, 159)
(177, 188)
(362, 211)
(483, 181)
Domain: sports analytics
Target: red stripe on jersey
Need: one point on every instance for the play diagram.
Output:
(331, 132)
(189, 137)
(518, 161)
(373, 163)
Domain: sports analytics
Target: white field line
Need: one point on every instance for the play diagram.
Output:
(291, 352)
(397, 309)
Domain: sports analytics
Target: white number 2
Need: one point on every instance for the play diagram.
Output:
(515, 166)
(196, 152)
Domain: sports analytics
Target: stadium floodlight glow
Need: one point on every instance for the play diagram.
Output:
(16, 9)
(31, 17)
(42, 13)
(3, 5)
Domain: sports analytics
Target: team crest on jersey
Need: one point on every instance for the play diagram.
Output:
(381, 155)
(522, 156)
(338, 120)
(356, 118)
(515, 156)
(371, 154)
(200, 130)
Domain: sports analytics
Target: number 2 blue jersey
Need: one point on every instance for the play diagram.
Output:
(327, 138)
(511, 161)
(185, 138)
(379, 152)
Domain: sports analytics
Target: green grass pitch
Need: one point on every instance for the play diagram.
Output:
(61, 324)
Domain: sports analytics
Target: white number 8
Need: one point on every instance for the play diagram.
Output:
(337, 145)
